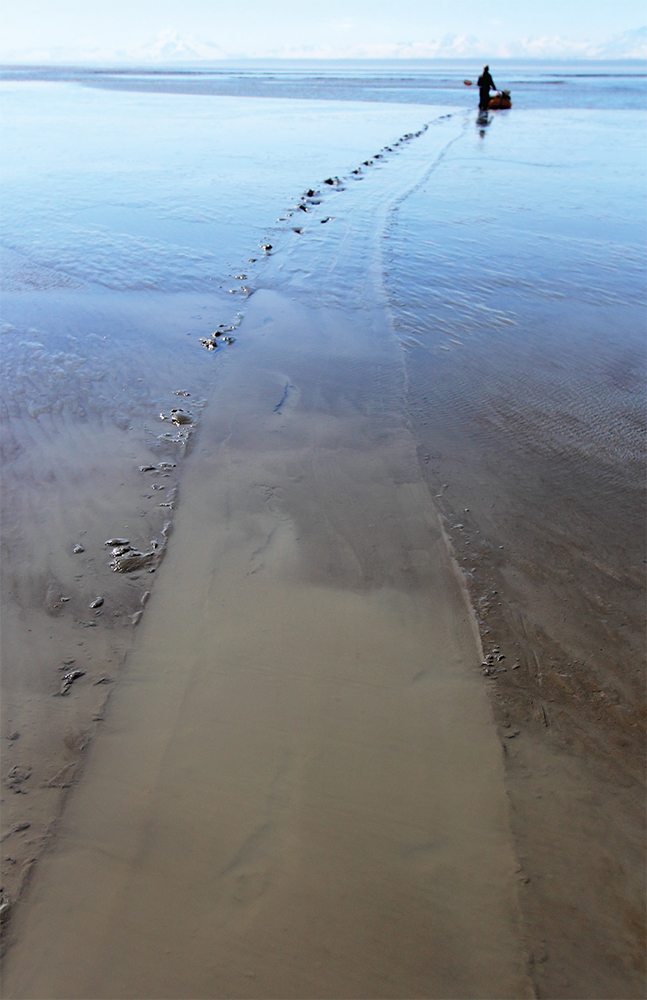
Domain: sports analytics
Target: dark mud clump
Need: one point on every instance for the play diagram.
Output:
(126, 559)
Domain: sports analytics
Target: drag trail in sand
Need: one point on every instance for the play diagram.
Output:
(298, 790)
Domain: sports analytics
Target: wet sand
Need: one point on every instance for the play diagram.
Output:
(523, 329)
(78, 424)
(298, 761)
(298, 790)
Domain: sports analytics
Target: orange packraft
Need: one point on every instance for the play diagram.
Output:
(501, 100)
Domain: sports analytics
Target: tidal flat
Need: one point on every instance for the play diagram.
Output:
(367, 716)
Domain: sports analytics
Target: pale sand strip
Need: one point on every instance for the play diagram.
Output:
(298, 791)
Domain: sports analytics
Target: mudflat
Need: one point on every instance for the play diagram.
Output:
(323, 648)
(298, 790)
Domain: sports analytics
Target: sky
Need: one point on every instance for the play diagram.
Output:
(163, 32)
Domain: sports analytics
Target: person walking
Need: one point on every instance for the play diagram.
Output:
(486, 83)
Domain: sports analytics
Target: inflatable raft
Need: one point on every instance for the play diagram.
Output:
(501, 100)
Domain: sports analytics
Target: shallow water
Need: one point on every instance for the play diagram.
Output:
(533, 83)
(135, 191)
(478, 291)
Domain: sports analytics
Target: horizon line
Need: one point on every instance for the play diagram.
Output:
(178, 64)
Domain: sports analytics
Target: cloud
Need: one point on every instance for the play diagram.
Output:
(629, 45)
(555, 47)
(167, 47)
(446, 48)
(171, 47)
(344, 24)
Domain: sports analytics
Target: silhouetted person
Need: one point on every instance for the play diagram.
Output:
(486, 83)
